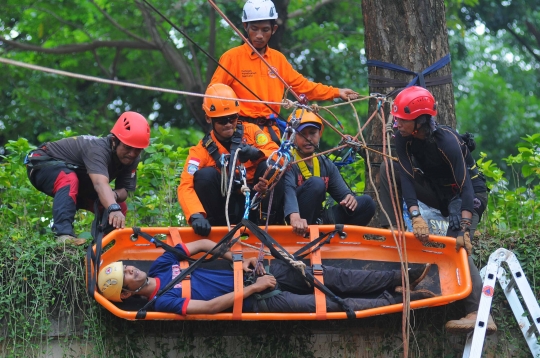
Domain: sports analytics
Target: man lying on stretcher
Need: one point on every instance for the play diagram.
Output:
(212, 291)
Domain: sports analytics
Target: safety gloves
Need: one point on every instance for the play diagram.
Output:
(247, 152)
(420, 228)
(454, 213)
(464, 236)
(200, 225)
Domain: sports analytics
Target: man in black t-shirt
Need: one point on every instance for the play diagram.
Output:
(76, 171)
(437, 168)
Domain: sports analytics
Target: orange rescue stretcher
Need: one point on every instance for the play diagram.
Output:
(362, 247)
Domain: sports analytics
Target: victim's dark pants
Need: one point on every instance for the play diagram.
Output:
(297, 296)
(427, 195)
(312, 193)
(207, 184)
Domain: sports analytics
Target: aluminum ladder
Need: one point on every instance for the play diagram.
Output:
(494, 271)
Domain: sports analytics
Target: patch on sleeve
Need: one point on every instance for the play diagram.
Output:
(133, 172)
(193, 165)
(261, 138)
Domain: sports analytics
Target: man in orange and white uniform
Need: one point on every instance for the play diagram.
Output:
(199, 193)
(259, 20)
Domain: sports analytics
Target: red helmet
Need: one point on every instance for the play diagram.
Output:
(132, 129)
(412, 102)
(214, 107)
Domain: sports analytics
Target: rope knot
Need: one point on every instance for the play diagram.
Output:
(315, 108)
(288, 104)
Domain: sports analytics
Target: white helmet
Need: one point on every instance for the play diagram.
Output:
(259, 10)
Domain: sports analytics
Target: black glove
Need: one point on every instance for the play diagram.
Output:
(248, 152)
(200, 225)
(454, 213)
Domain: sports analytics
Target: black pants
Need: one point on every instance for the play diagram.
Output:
(70, 191)
(297, 296)
(311, 195)
(207, 184)
(427, 195)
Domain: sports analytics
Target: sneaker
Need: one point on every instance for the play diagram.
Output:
(467, 324)
(70, 240)
(415, 295)
(416, 275)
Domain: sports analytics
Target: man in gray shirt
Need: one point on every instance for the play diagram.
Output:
(308, 181)
(76, 171)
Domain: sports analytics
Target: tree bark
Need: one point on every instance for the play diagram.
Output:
(411, 34)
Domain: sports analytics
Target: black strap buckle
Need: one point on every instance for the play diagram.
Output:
(317, 269)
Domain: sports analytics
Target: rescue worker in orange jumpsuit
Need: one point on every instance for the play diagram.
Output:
(259, 20)
(203, 184)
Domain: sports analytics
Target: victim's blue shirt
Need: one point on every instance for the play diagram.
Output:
(205, 284)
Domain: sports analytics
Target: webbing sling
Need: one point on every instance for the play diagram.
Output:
(270, 242)
(419, 76)
(228, 239)
(93, 259)
(184, 264)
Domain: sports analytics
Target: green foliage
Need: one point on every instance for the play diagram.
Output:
(159, 175)
(515, 209)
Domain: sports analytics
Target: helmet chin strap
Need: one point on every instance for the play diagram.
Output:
(140, 288)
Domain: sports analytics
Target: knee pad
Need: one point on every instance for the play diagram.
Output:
(70, 180)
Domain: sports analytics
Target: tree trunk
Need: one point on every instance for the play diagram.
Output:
(180, 65)
(411, 34)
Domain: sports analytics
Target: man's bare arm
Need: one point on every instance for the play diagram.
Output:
(221, 303)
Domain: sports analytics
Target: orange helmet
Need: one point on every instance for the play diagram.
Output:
(413, 102)
(214, 107)
(307, 119)
(132, 129)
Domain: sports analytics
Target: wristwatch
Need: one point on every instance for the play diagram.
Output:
(415, 213)
(114, 207)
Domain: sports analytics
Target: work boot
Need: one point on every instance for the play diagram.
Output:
(415, 295)
(70, 240)
(418, 274)
(467, 324)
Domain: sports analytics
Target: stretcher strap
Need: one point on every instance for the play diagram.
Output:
(93, 260)
(238, 280)
(173, 240)
(316, 263)
(269, 242)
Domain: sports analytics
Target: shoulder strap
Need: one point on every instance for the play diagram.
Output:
(212, 148)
